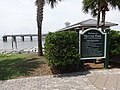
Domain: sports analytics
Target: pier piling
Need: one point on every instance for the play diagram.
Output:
(14, 38)
(4, 39)
(31, 38)
(22, 38)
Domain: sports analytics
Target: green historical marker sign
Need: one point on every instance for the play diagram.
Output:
(92, 44)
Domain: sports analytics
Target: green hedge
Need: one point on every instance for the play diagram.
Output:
(114, 43)
(61, 48)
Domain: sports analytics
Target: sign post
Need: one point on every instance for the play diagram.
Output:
(93, 45)
(106, 63)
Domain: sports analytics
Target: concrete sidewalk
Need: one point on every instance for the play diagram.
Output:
(89, 80)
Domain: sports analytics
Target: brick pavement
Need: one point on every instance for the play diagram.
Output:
(90, 80)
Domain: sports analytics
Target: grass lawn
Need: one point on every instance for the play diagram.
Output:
(26, 65)
(19, 65)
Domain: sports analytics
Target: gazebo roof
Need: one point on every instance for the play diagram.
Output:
(90, 23)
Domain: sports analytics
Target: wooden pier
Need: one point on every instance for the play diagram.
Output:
(13, 37)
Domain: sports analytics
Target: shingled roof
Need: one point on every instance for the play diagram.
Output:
(90, 23)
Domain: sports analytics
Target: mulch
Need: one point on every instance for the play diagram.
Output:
(44, 69)
(88, 65)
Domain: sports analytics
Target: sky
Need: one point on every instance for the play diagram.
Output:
(19, 16)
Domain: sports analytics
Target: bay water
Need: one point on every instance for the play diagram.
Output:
(26, 44)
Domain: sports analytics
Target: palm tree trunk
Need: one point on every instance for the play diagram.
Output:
(39, 24)
(103, 20)
(40, 53)
(98, 19)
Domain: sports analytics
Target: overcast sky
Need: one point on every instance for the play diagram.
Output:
(19, 16)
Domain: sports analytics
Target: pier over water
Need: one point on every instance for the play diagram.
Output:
(13, 37)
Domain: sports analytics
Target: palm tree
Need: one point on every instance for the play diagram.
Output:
(97, 6)
(40, 5)
(103, 7)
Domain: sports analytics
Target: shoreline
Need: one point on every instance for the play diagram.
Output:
(19, 51)
(22, 47)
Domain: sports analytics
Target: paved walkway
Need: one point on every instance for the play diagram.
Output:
(90, 80)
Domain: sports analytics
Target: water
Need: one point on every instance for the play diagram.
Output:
(26, 44)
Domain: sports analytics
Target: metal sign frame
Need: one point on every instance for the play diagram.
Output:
(80, 42)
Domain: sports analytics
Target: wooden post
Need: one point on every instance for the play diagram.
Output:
(31, 38)
(22, 38)
(12, 44)
(16, 44)
(5, 39)
(14, 38)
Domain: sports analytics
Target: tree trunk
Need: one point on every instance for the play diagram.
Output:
(98, 19)
(103, 20)
(40, 53)
(40, 5)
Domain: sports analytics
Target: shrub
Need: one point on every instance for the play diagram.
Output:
(61, 48)
(114, 43)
